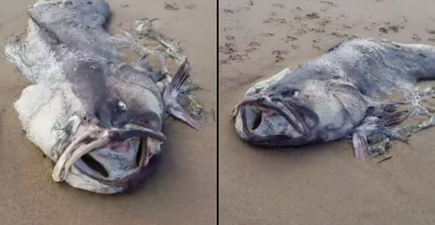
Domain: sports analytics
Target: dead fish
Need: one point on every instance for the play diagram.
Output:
(99, 119)
(341, 94)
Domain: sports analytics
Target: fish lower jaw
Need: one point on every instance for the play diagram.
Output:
(101, 170)
(264, 124)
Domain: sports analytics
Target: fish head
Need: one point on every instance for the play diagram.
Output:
(128, 106)
(115, 146)
(303, 112)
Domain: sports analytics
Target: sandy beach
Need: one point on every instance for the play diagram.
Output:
(184, 189)
(318, 184)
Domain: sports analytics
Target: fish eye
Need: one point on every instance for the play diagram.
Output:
(122, 105)
(291, 93)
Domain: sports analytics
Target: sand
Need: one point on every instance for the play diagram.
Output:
(184, 189)
(321, 184)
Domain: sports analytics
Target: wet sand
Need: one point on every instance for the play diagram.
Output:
(321, 184)
(184, 189)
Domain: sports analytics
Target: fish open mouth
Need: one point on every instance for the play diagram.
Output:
(132, 139)
(265, 118)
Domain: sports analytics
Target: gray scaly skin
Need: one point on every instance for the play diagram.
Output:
(342, 93)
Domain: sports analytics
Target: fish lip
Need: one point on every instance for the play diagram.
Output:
(134, 130)
(287, 111)
(102, 137)
(278, 140)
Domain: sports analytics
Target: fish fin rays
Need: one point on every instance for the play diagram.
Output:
(360, 145)
(142, 65)
(170, 97)
(379, 131)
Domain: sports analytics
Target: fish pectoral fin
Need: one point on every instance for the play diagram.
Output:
(360, 145)
(142, 63)
(392, 119)
(144, 67)
(182, 115)
(170, 97)
(379, 131)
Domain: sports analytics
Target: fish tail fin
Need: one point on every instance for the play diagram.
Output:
(170, 97)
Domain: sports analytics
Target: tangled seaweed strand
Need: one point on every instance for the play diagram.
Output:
(143, 29)
(416, 99)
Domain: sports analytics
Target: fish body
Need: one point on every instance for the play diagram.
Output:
(342, 93)
(98, 118)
